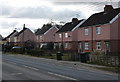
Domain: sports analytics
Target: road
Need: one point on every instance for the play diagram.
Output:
(18, 67)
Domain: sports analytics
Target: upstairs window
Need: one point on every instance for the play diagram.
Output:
(40, 37)
(98, 45)
(15, 39)
(66, 35)
(37, 37)
(60, 35)
(86, 31)
(9, 39)
(98, 30)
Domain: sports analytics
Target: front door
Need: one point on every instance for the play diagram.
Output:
(107, 46)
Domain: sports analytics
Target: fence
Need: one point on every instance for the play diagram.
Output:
(104, 60)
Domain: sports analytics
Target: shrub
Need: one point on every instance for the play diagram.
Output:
(35, 52)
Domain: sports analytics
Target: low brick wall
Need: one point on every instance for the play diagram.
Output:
(104, 60)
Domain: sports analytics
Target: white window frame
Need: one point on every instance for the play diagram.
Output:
(70, 45)
(98, 30)
(9, 39)
(66, 35)
(15, 39)
(86, 46)
(60, 35)
(37, 37)
(98, 45)
(40, 37)
(66, 45)
(86, 31)
(80, 46)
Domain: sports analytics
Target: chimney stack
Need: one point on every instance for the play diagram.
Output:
(108, 8)
(74, 20)
(24, 26)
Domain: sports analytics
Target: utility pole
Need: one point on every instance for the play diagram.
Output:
(62, 47)
(23, 35)
(92, 38)
(23, 39)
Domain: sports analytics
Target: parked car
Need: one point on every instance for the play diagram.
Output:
(18, 49)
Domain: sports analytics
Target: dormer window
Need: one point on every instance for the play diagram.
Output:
(98, 30)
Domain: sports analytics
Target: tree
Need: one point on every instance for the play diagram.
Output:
(47, 26)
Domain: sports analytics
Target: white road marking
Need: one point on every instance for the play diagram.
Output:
(15, 73)
(30, 67)
(61, 76)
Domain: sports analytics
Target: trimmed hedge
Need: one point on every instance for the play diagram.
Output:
(35, 52)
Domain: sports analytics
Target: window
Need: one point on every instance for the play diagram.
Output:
(80, 46)
(37, 37)
(70, 45)
(86, 46)
(15, 39)
(9, 39)
(98, 45)
(60, 35)
(66, 35)
(107, 45)
(66, 45)
(40, 37)
(86, 31)
(98, 30)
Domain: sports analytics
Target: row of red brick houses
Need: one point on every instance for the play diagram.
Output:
(100, 32)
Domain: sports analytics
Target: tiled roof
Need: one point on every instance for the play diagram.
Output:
(69, 26)
(1, 37)
(11, 34)
(101, 18)
(21, 31)
(42, 31)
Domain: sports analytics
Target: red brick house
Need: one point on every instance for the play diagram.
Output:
(100, 32)
(10, 38)
(67, 35)
(24, 36)
(45, 35)
(1, 37)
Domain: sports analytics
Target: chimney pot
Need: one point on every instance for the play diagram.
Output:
(24, 26)
(108, 8)
(74, 20)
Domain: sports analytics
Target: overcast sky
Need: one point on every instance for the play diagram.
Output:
(35, 13)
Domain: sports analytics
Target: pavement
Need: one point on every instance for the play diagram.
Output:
(32, 68)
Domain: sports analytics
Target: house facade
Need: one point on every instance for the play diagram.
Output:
(1, 37)
(100, 32)
(10, 38)
(24, 37)
(66, 37)
(45, 36)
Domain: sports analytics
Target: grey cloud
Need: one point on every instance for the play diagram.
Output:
(6, 10)
(6, 25)
(45, 13)
(98, 6)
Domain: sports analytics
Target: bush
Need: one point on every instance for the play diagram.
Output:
(35, 52)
